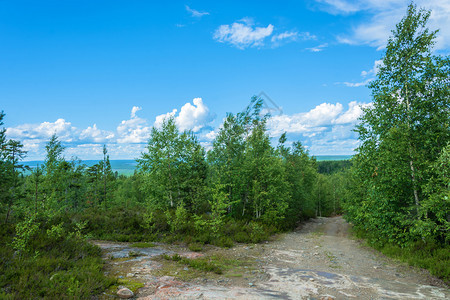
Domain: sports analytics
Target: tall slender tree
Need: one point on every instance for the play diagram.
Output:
(404, 131)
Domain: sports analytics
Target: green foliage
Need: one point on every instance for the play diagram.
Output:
(115, 224)
(398, 186)
(173, 169)
(333, 166)
(65, 267)
(11, 153)
(201, 264)
(196, 247)
(396, 196)
(177, 220)
(25, 231)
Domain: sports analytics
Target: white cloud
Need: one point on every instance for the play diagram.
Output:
(194, 117)
(134, 130)
(356, 84)
(368, 76)
(322, 114)
(196, 13)
(211, 135)
(242, 34)
(325, 129)
(64, 130)
(290, 35)
(96, 135)
(374, 71)
(318, 48)
(160, 119)
(134, 110)
(376, 29)
(339, 6)
(191, 117)
(351, 115)
(307, 36)
(317, 120)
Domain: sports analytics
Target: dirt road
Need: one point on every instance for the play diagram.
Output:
(317, 261)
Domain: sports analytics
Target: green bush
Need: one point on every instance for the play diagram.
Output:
(196, 247)
(225, 242)
(242, 237)
(53, 268)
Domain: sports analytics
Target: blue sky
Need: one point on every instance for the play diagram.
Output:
(105, 72)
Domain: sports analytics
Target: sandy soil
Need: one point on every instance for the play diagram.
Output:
(317, 261)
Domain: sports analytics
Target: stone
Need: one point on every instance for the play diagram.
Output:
(125, 293)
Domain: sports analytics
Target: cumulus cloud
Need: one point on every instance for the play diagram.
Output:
(319, 119)
(160, 119)
(351, 115)
(134, 130)
(195, 116)
(195, 13)
(96, 135)
(242, 34)
(325, 129)
(128, 140)
(45, 130)
(376, 29)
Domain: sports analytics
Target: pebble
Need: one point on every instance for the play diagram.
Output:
(125, 293)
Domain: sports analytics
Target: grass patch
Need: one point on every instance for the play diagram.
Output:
(133, 285)
(196, 247)
(134, 254)
(201, 264)
(143, 245)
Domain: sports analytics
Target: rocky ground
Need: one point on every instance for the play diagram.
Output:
(317, 261)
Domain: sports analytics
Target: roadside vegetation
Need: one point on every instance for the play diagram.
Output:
(399, 183)
(396, 189)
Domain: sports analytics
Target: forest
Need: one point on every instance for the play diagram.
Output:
(395, 190)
